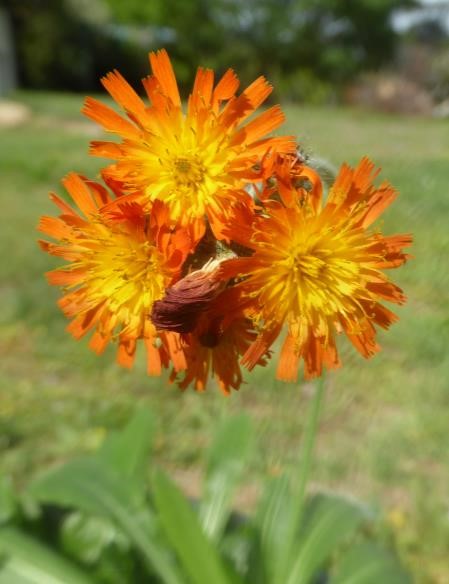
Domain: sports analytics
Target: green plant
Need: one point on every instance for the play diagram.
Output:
(94, 520)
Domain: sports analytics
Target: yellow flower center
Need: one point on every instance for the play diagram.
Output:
(321, 279)
(188, 172)
(308, 266)
(125, 272)
(315, 276)
(188, 167)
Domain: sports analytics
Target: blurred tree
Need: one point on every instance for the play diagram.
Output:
(134, 11)
(301, 45)
(53, 48)
(331, 40)
(429, 31)
(59, 46)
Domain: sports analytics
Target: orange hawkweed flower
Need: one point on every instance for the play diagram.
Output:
(121, 261)
(319, 270)
(197, 163)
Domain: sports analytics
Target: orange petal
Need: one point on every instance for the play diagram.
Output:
(387, 291)
(58, 250)
(54, 227)
(175, 350)
(383, 316)
(202, 90)
(99, 193)
(313, 357)
(260, 347)
(365, 341)
(381, 199)
(263, 124)
(153, 357)
(330, 355)
(125, 96)
(258, 91)
(67, 277)
(80, 193)
(126, 353)
(65, 208)
(99, 342)
(226, 88)
(288, 364)
(163, 70)
(77, 327)
(109, 119)
(105, 149)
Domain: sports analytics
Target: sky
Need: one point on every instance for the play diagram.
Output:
(403, 19)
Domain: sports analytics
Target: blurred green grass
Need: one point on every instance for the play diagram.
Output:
(384, 430)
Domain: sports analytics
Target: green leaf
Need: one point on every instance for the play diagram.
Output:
(26, 561)
(330, 521)
(90, 485)
(8, 504)
(368, 563)
(236, 548)
(227, 458)
(86, 484)
(272, 520)
(127, 451)
(86, 537)
(196, 553)
(98, 543)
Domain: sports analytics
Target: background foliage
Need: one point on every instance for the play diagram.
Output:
(98, 511)
(297, 44)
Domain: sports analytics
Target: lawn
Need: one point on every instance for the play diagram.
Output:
(384, 431)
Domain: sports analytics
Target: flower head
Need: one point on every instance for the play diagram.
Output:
(148, 259)
(196, 163)
(320, 271)
(121, 260)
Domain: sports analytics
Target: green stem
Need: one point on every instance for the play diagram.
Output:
(305, 463)
(308, 443)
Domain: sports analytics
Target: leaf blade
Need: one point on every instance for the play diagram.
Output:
(368, 563)
(196, 553)
(29, 561)
(91, 486)
(227, 457)
(331, 520)
(127, 451)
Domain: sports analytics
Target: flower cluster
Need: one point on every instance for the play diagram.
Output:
(208, 237)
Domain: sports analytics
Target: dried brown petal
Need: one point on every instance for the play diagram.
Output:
(184, 302)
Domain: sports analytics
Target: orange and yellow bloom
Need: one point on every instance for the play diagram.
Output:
(178, 254)
(320, 271)
(120, 261)
(196, 163)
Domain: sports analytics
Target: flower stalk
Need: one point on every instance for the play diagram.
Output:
(303, 475)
